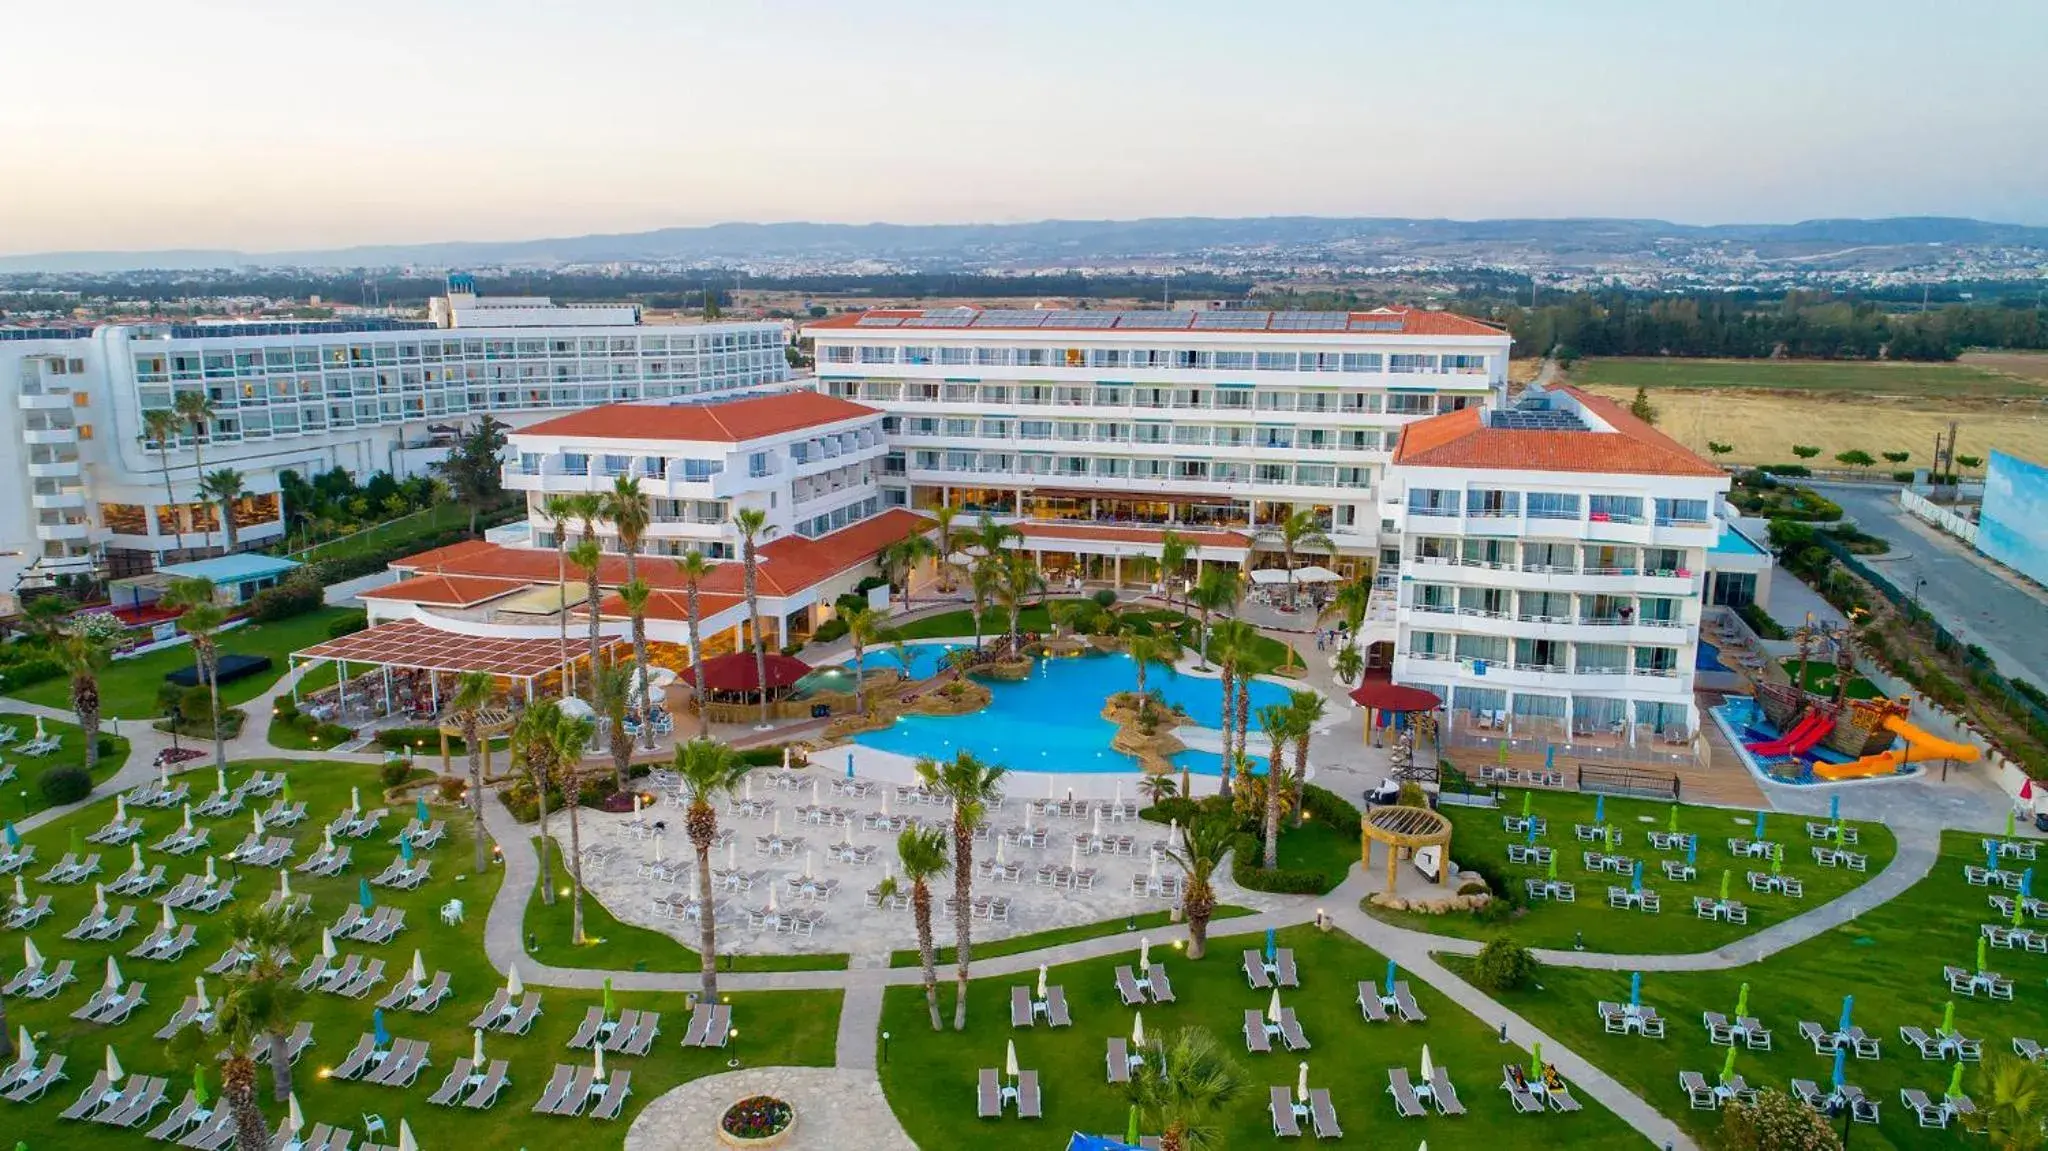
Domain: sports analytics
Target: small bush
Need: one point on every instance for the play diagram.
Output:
(35, 669)
(395, 772)
(1760, 621)
(869, 584)
(831, 629)
(1505, 890)
(1902, 477)
(1776, 1122)
(62, 785)
(1794, 470)
(1495, 910)
(451, 789)
(298, 594)
(401, 738)
(1105, 598)
(348, 624)
(1503, 965)
(770, 757)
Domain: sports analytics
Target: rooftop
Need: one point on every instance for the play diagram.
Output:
(1573, 431)
(238, 568)
(445, 590)
(411, 644)
(1385, 321)
(732, 421)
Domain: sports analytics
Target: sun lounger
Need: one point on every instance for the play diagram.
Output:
(360, 986)
(1021, 1014)
(558, 1086)
(2026, 1048)
(1405, 1006)
(1256, 1040)
(489, 1016)
(1162, 987)
(175, 1123)
(137, 1106)
(522, 1018)
(586, 1031)
(1929, 1113)
(613, 1100)
(486, 1093)
(295, 1044)
(36, 1083)
(1255, 971)
(1030, 1103)
(34, 913)
(117, 1010)
(215, 1132)
(1929, 1049)
(645, 1034)
(1697, 1092)
(1127, 987)
(89, 1100)
(1369, 1004)
(575, 1099)
(1290, 1031)
(1525, 1101)
(1323, 1114)
(399, 992)
(51, 981)
(1406, 1103)
(1117, 1060)
(1809, 1093)
(1056, 1007)
(436, 993)
(988, 1096)
(358, 1058)
(315, 971)
(1280, 1105)
(1284, 973)
(1443, 1094)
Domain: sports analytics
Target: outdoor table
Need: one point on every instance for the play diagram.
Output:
(753, 808)
(1520, 824)
(1761, 881)
(1626, 899)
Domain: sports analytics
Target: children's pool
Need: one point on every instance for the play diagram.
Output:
(1052, 720)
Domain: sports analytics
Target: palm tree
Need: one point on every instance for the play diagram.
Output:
(1186, 1080)
(923, 852)
(201, 619)
(693, 567)
(634, 594)
(942, 518)
(269, 984)
(709, 771)
(242, 1019)
(615, 698)
(864, 626)
(1308, 708)
(1204, 844)
(752, 524)
(898, 560)
(1298, 531)
(1066, 613)
(628, 510)
(1016, 578)
(532, 747)
(1351, 602)
(558, 509)
(160, 424)
(990, 540)
(196, 408)
(1159, 788)
(1173, 558)
(588, 555)
(1275, 719)
(552, 743)
(1215, 592)
(1232, 641)
(472, 694)
(1148, 649)
(2012, 1099)
(971, 786)
(83, 656)
(224, 487)
(982, 580)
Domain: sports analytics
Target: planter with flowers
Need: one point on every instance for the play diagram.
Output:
(756, 1121)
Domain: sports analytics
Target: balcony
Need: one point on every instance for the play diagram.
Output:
(44, 399)
(64, 530)
(53, 469)
(49, 435)
(57, 500)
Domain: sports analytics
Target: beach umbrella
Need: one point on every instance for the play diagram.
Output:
(771, 901)
(187, 825)
(1052, 787)
(1948, 1017)
(405, 1140)
(636, 803)
(256, 821)
(1759, 826)
(609, 1007)
(1848, 1008)
(377, 1032)
(2026, 883)
(1549, 756)
(220, 780)
(327, 942)
(419, 967)
(1271, 949)
(849, 762)
(1528, 798)
(1428, 1065)
(294, 1119)
(405, 849)
(211, 877)
(513, 984)
(99, 900)
(1027, 810)
(287, 793)
(114, 1072)
(420, 812)
(1131, 1127)
(657, 848)
(1742, 1001)
(1608, 832)
(732, 854)
(1390, 976)
(1301, 1083)
(135, 856)
(1727, 877)
(999, 857)
(1154, 869)
(20, 892)
(814, 791)
(888, 870)
(1144, 953)
(1981, 962)
(597, 1061)
(1097, 831)
(29, 954)
(1990, 854)
(1137, 1029)
(24, 1047)
(1778, 860)
(1010, 1059)
(200, 1095)
(355, 800)
(776, 828)
(163, 776)
(1728, 1065)
(77, 842)
(1955, 1081)
(284, 885)
(476, 1051)
(1530, 839)
(1536, 1061)
(1636, 878)
(1074, 857)
(1692, 852)
(326, 841)
(1841, 1064)
(2019, 911)
(1635, 989)
(1835, 807)
(1273, 1007)
(170, 919)
(199, 993)
(1599, 809)
(121, 810)
(113, 974)
(363, 893)
(809, 858)
(1673, 825)
(1041, 980)
(747, 787)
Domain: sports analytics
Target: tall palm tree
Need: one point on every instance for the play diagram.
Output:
(1351, 602)
(1151, 649)
(1215, 593)
(752, 524)
(552, 745)
(1299, 531)
(1173, 557)
(900, 559)
(160, 425)
(1232, 642)
(83, 656)
(942, 518)
(242, 1019)
(269, 983)
(709, 772)
(970, 786)
(195, 408)
(532, 748)
(1275, 719)
(473, 694)
(982, 579)
(990, 541)
(202, 619)
(864, 626)
(1309, 708)
(1016, 578)
(2011, 1099)
(693, 567)
(224, 486)
(1204, 844)
(588, 556)
(1186, 1080)
(923, 852)
(558, 509)
(615, 699)
(630, 514)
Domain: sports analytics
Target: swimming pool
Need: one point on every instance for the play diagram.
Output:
(916, 660)
(1708, 658)
(1052, 720)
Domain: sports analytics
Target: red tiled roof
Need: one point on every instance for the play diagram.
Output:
(412, 644)
(732, 421)
(445, 590)
(1385, 321)
(1461, 439)
(1122, 535)
(672, 605)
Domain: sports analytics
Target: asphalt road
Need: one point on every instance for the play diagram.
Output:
(1962, 591)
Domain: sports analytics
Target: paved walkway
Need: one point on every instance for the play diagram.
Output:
(836, 1107)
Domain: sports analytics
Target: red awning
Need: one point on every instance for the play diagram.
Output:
(735, 672)
(1386, 695)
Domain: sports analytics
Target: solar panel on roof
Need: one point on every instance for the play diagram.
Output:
(1537, 420)
(878, 322)
(1009, 318)
(940, 320)
(1377, 325)
(1079, 319)
(1161, 319)
(1232, 321)
(1310, 321)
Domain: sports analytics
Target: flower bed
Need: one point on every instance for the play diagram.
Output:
(756, 1121)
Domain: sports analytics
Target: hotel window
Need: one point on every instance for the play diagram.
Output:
(1615, 509)
(1106, 358)
(960, 427)
(1233, 361)
(1321, 362)
(1074, 358)
(1681, 512)
(1031, 357)
(915, 354)
(1190, 435)
(1664, 561)
(1191, 469)
(1487, 503)
(1272, 437)
(995, 429)
(1156, 433)
(1276, 401)
(1271, 473)
(1275, 361)
(1429, 644)
(1034, 429)
(1553, 506)
(1406, 404)
(1359, 440)
(1411, 363)
(1073, 465)
(992, 357)
(1234, 399)
(956, 355)
(1366, 403)
(1362, 361)
(1465, 364)
(877, 354)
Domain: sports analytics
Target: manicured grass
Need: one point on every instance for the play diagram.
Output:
(23, 795)
(1317, 846)
(1017, 944)
(1819, 678)
(614, 946)
(1848, 376)
(1479, 835)
(793, 1027)
(129, 687)
(1890, 959)
(429, 521)
(930, 1076)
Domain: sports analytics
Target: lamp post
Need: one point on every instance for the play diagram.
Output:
(885, 1048)
(177, 717)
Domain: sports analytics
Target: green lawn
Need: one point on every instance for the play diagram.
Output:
(1890, 959)
(1819, 678)
(22, 795)
(614, 946)
(392, 533)
(128, 688)
(789, 1027)
(990, 949)
(930, 1076)
(1479, 835)
(1870, 377)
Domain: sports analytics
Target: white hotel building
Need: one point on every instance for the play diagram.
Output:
(364, 395)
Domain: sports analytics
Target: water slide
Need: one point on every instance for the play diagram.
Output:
(1810, 730)
(1919, 746)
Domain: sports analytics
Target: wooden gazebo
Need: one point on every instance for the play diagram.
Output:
(490, 723)
(1404, 829)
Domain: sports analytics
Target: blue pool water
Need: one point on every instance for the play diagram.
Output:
(1708, 658)
(923, 658)
(1052, 721)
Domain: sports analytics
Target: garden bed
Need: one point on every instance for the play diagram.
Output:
(756, 1121)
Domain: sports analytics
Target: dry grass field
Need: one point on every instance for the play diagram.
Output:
(2026, 365)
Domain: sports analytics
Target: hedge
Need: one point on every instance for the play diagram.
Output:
(61, 785)
(1319, 802)
(35, 669)
(348, 624)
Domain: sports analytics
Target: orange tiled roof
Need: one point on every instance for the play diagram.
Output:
(445, 590)
(1461, 439)
(1108, 534)
(1383, 321)
(672, 605)
(733, 421)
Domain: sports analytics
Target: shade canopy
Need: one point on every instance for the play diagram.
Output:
(1311, 574)
(1386, 695)
(737, 672)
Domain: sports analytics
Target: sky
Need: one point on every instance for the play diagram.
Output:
(267, 125)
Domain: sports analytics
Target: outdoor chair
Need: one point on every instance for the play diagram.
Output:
(2026, 1048)
(1127, 987)
(175, 1123)
(613, 1099)
(1524, 1100)
(1929, 1049)
(1809, 1093)
(988, 1095)
(1928, 1113)
(89, 1100)
(1030, 1102)
(1280, 1105)
(1162, 987)
(1255, 970)
(558, 1086)
(1405, 1006)
(1117, 1060)
(1290, 1031)
(1369, 1003)
(1697, 1093)
(1443, 1094)
(487, 1092)
(1256, 1039)
(1406, 1103)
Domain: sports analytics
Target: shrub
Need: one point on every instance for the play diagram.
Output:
(1412, 795)
(831, 629)
(1105, 598)
(1760, 621)
(1328, 806)
(769, 757)
(106, 746)
(1776, 1122)
(62, 785)
(1794, 470)
(1503, 965)
(401, 738)
(1902, 477)
(394, 772)
(451, 789)
(348, 624)
(1504, 886)
(35, 669)
(298, 594)
(869, 584)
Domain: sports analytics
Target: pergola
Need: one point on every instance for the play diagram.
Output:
(1384, 695)
(1404, 829)
(413, 646)
(490, 723)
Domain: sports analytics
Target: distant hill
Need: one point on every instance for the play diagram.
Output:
(1557, 242)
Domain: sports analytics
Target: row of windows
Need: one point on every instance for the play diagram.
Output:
(1547, 606)
(1496, 503)
(1544, 655)
(1549, 558)
(1109, 394)
(1194, 359)
(231, 384)
(297, 357)
(838, 518)
(961, 460)
(1278, 436)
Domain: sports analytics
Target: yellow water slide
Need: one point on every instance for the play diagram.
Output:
(1919, 746)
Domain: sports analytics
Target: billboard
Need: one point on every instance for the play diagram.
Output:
(2013, 527)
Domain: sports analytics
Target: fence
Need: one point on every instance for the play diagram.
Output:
(1939, 516)
(1604, 779)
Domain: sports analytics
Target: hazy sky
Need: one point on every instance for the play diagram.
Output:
(269, 124)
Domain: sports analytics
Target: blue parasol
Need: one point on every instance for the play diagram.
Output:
(1848, 1005)
(1841, 1059)
(1271, 948)
(1532, 833)
(2027, 883)
(1990, 855)
(405, 849)
(1636, 880)
(419, 810)
(363, 893)
(849, 765)
(1599, 809)
(1549, 756)
(383, 1037)
(1834, 807)
(1390, 977)
(1692, 851)
(1635, 989)
(1759, 826)
(13, 836)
